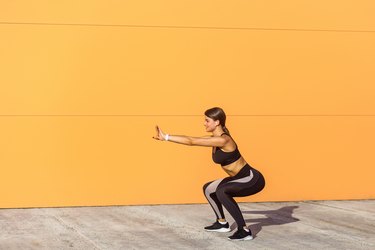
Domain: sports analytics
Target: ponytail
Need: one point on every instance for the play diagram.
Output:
(226, 130)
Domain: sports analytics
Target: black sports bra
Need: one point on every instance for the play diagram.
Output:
(225, 158)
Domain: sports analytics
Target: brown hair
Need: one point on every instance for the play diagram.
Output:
(217, 113)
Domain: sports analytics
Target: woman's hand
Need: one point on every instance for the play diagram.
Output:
(160, 135)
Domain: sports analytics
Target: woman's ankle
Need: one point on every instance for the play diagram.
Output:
(222, 221)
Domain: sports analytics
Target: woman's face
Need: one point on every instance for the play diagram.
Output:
(210, 124)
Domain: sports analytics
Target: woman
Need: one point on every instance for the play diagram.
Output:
(243, 180)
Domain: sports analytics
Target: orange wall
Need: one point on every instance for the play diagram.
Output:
(83, 84)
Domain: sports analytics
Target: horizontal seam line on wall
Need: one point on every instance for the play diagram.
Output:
(189, 115)
(185, 27)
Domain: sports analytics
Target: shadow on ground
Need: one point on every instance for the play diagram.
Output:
(279, 216)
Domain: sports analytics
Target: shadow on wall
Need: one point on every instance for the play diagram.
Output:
(279, 216)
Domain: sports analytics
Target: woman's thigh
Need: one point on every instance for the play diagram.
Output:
(236, 189)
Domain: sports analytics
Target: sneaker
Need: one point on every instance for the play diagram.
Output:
(241, 234)
(218, 227)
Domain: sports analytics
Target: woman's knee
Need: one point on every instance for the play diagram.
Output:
(205, 186)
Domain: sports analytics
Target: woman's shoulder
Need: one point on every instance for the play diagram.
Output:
(225, 133)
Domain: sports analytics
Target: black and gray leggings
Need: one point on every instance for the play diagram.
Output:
(221, 192)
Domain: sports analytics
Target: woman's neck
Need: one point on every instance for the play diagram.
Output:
(218, 131)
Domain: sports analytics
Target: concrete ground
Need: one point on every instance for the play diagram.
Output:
(278, 225)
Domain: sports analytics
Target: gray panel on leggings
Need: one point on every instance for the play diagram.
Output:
(244, 179)
(212, 189)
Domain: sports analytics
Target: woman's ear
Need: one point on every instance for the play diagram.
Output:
(217, 123)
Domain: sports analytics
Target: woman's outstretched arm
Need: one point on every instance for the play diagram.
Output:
(191, 141)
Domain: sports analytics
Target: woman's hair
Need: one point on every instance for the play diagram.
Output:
(217, 113)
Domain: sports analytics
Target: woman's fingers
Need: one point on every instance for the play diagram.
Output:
(158, 134)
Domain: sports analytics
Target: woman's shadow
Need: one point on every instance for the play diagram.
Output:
(279, 216)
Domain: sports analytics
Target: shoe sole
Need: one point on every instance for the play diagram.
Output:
(221, 230)
(246, 238)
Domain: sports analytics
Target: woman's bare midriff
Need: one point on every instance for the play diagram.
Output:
(235, 167)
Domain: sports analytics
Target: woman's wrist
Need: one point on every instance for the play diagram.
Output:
(167, 137)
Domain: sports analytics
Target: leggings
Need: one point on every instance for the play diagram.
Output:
(220, 193)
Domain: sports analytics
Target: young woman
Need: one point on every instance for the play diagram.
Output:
(243, 180)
